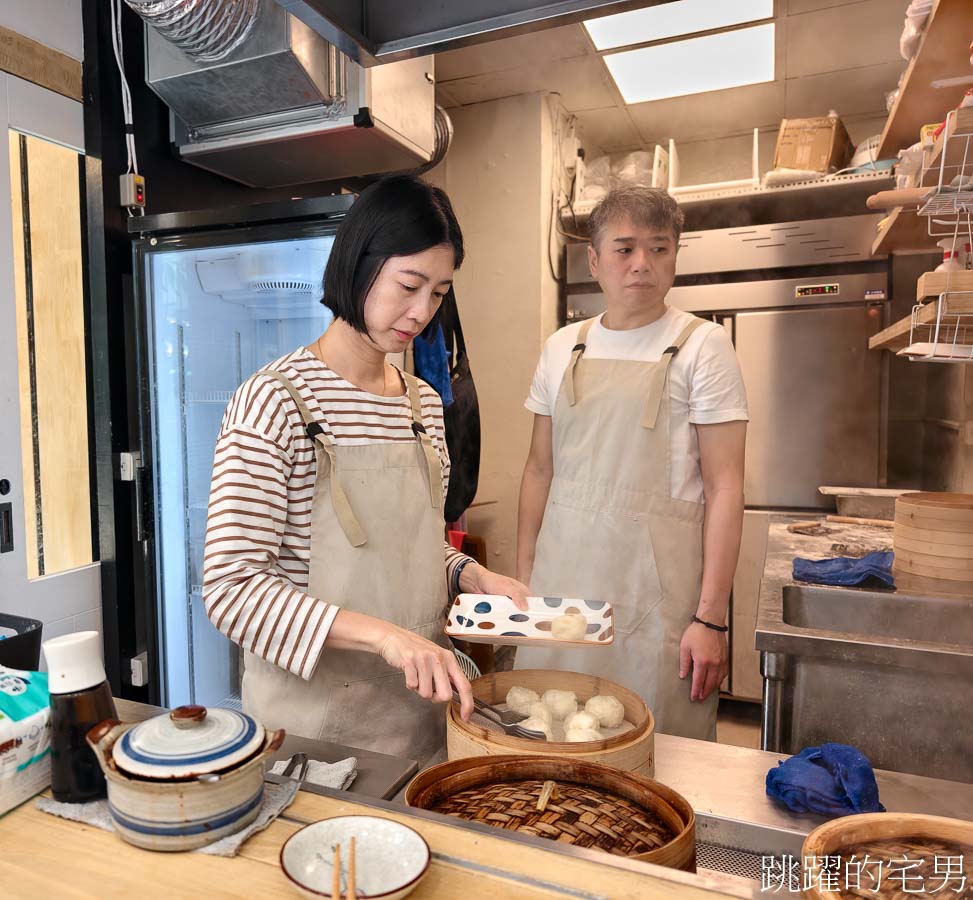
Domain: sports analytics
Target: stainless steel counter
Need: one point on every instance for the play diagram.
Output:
(890, 672)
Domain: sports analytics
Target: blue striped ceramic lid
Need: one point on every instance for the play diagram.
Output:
(189, 741)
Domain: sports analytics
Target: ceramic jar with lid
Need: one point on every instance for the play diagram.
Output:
(186, 778)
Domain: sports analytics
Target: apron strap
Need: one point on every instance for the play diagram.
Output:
(576, 354)
(428, 457)
(656, 390)
(346, 516)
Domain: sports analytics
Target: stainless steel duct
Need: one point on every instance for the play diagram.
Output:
(205, 30)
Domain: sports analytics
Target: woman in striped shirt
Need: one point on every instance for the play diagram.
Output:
(325, 559)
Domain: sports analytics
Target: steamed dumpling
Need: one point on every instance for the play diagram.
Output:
(561, 703)
(536, 724)
(519, 698)
(537, 709)
(579, 735)
(569, 627)
(608, 710)
(581, 720)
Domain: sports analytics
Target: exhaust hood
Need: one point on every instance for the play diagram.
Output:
(276, 104)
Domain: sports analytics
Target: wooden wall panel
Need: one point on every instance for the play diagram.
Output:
(58, 454)
(62, 403)
(40, 64)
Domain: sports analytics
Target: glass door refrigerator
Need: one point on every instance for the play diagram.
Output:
(217, 295)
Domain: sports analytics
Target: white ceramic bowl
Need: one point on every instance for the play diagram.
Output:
(390, 858)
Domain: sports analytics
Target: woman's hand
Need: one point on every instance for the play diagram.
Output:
(430, 670)
(475, 579)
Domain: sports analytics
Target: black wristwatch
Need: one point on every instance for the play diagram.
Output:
(723, 629)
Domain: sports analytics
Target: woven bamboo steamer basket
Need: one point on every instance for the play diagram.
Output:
(633, 750)
(595, 802)
(845, 834)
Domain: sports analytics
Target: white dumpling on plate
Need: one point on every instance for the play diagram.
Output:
(561, 703)
(569, 627)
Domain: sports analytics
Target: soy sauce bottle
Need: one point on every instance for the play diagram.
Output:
(80, 699)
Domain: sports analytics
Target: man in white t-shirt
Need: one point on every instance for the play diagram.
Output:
(633, 488)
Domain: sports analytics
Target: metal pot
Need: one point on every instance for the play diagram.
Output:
(184, 779)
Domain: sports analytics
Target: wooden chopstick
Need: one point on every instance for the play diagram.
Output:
(336, 874)
(350, 892)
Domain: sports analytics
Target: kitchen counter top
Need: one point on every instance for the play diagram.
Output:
(783, 546)
(888, 671)
(46, 856)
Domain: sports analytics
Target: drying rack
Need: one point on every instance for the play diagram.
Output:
(941, 328)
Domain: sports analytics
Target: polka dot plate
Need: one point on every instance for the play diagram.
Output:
(489, 619)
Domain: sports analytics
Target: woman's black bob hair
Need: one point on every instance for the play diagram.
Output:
(400, 215)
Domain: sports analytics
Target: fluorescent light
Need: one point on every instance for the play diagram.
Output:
(671, 19)
(709, 63)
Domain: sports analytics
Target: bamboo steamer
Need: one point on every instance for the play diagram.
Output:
(633, 750)
(888, 835)
(595, 805)
(933, 540)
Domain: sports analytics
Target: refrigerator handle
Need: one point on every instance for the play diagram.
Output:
(131, 468)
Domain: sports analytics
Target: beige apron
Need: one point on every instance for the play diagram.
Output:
(611, 531)
(376, 548)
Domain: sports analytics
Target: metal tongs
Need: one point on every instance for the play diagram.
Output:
(298, 759)
(505, 720)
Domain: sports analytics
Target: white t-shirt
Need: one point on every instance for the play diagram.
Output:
(705, 383)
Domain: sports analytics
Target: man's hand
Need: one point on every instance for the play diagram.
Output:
(705, 651)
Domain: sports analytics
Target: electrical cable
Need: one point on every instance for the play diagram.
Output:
(117, 46)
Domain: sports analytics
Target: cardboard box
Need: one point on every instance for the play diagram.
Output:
(813, 145)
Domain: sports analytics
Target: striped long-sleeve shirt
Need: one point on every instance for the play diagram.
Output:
(258, 538)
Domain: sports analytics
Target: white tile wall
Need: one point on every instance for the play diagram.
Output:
(90, 620)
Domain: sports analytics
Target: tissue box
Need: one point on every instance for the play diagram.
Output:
(25, 736)
(813, 145)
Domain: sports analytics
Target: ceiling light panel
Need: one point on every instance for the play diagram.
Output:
(656, 23)
(710, 63)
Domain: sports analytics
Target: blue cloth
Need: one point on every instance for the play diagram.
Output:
(831, 780)
(845, 571)
(432, 363)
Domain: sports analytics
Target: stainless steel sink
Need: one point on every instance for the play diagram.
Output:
(889, 672)
(880, 614)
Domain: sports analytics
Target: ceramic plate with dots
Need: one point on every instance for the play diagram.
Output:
(491, 619)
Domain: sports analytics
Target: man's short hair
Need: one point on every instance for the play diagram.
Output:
(644, 206)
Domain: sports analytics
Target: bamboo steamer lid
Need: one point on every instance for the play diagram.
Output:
(594, 805)
(633, 750)
(889, 834)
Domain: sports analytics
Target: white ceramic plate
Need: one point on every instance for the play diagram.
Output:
(490, 619)
(390, 858)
